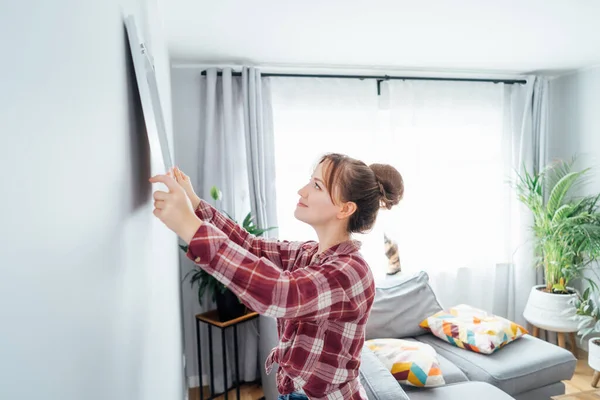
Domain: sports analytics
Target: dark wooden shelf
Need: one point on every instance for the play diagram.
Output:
(212, 317)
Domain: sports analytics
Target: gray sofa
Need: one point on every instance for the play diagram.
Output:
(527, 369)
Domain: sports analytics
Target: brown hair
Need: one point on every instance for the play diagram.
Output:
(370, 187)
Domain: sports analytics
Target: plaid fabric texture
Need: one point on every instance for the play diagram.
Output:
(321, 301)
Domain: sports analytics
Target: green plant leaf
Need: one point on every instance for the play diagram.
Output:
(559, 191)
(592, 284)
(215, 193)
(201, 290)
(562, 212)
(247, 220)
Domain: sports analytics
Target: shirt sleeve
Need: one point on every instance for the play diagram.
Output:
(340, 289)
(281, 253)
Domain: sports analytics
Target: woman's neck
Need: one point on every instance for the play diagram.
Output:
(331, 237)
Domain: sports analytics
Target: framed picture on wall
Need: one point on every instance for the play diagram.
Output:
(149, 96)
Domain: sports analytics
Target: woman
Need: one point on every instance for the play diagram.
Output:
(320, 292)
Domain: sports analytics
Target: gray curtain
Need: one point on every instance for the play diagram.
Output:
(260, 158)
(529, 115)
(234, 152)
(260, 148)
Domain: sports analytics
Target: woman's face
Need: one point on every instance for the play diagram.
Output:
(315, 206)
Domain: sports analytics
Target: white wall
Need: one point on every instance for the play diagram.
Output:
(574, 117)
(575, 126)
(89, 305)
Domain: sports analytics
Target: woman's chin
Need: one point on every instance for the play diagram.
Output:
(298, 214)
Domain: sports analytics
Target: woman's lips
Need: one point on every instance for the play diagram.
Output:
(301, 205)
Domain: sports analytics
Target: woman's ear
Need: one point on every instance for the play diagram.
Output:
(347, 209)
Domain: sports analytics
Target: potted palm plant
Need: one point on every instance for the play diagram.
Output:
(228, 305)
(567, 240)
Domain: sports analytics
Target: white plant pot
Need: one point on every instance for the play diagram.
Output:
(545, 310)
(594, 354)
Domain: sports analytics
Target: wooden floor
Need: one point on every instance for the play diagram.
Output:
(580, 382)
(582, 379)
(249, 391)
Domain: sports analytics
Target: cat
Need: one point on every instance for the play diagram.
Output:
(391, 252)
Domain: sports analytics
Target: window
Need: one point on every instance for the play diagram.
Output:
(445, 138)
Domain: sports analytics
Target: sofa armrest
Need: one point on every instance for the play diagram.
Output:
(378, 382)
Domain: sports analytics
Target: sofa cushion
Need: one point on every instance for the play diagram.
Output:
(401, 303)
(526, 364)
(411, 362)
(378, 381)
(460, 391)
(473, 329)
(450, 372)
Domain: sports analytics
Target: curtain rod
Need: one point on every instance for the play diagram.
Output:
(381, 78)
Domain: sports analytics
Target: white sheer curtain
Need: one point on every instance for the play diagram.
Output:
(316, 116)
(454, 144)
(448, 144)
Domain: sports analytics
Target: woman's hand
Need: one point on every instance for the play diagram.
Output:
(174, 208)
(186, 184)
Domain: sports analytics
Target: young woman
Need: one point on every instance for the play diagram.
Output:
(320, 292)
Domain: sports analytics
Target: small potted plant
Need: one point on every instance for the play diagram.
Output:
(587, 316)
(567, 240)
(228, 305)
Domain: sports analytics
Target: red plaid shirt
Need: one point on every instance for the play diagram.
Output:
(321, 301)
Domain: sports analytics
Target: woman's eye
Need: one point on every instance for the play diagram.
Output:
(317, 185)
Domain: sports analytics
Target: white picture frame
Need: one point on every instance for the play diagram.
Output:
(149, 96)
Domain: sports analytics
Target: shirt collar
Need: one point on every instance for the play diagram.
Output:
(346, 247)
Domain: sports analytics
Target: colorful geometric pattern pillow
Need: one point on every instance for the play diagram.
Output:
(473, 329)
(411, 363)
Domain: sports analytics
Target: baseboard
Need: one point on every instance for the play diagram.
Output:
(194, 381)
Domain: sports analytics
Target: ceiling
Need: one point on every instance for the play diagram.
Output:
(504, 36)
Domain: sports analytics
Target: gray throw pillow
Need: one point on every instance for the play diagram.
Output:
(401, 303)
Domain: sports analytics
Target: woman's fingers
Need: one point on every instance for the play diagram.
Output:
(181, 175)
(168, 181)
(160, 195)
(159, 204)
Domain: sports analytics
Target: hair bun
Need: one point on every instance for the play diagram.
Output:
(391, 182)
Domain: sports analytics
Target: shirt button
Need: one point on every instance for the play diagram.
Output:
(197, 259)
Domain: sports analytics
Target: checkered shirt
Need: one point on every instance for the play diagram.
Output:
(321, 301)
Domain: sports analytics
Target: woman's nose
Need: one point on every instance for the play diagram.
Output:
(302, 191)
